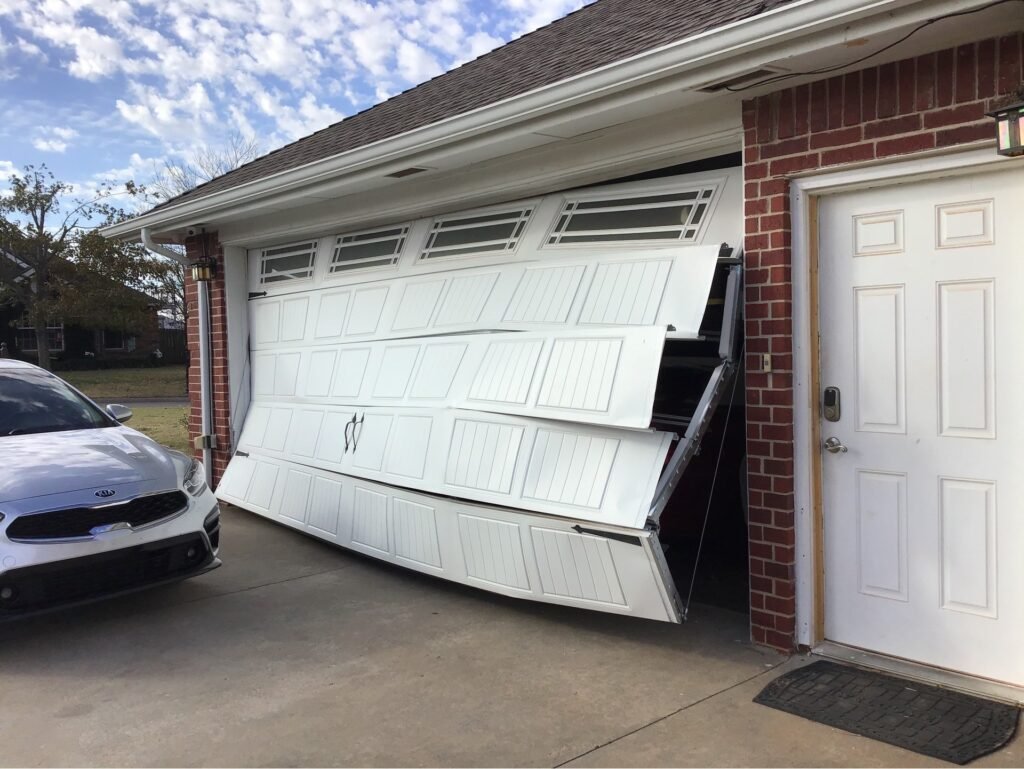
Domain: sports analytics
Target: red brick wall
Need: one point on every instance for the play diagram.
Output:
(929, 102)
(219, 354)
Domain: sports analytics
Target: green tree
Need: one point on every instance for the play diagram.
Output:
(55, 266)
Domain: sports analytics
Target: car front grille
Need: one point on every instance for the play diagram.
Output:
(78, 522)
(50, 585)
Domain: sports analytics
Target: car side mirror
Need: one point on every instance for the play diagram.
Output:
(120, 413)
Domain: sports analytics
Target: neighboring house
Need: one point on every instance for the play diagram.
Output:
(847, 140)
(73, 343)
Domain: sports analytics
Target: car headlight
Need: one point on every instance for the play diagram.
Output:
(195, 478)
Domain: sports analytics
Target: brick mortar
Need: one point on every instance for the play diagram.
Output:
(921, 104)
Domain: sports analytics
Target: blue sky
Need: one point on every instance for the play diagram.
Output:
(107, 90)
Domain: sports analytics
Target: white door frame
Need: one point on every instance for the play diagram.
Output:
(804, 193)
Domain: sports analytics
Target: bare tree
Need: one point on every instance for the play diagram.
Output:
(204, 163)
(178, 177)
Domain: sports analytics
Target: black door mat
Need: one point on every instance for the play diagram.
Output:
(920, 717)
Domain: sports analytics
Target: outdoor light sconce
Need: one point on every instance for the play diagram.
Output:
(1010, 127)
(204, 269)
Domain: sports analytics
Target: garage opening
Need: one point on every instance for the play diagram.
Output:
(508, 397)
(703, 527)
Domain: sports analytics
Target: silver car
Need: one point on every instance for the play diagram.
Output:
(90, 508)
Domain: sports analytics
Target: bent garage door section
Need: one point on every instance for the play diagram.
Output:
(471, 395)
(544, 558)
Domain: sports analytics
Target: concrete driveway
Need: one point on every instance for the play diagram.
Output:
(298, 653)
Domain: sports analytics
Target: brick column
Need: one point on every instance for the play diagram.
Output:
(930, 102)
(218, 353)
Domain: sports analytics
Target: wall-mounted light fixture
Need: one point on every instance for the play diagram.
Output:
(205, 267)
(203, 270)
(1010, 126)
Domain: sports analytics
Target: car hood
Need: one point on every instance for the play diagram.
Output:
(56, 463)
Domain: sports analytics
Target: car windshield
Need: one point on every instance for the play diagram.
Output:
(36, 402)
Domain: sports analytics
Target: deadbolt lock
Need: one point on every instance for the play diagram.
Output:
(831, 408)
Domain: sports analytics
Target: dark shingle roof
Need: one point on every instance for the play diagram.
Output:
(602, 33)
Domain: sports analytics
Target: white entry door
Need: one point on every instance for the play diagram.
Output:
(922, 318)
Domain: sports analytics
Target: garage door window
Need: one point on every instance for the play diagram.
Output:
(463, 235)
(373, 248)
(291, 262)
(673, 217)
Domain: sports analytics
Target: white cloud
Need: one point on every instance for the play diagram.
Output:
(178, 75)
(30, 49)
(49, 145)
(415, 64)
(55, 139)
(530, 14)
(180, 117)
(96, 55)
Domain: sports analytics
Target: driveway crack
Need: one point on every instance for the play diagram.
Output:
(261, 585)
(659, 719)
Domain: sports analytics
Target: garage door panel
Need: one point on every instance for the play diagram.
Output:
(465, 299)
(368, 305)
(331, 314)
(350, 372)
(515, 553)
(605, 377)
(663, 287)
(587, 472)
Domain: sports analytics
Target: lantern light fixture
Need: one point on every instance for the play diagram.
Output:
(204, 269)
(1010, 127)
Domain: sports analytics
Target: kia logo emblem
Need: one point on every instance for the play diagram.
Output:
(105, 493)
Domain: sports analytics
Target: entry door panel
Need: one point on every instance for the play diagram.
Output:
(922, 312)
(515, 553)
(591, 473)
(605, 377)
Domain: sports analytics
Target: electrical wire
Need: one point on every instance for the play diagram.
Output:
(880, 51)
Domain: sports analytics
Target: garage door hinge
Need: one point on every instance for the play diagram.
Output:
(257, 294)
(629, 540)
(205, 442)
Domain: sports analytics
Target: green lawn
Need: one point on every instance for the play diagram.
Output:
(127, 383)
(164, 425)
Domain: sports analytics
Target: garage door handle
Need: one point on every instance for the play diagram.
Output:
(348, 424)
(356, 424)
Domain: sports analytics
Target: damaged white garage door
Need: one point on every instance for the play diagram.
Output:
(473, 395)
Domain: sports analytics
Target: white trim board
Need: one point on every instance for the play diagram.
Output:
(805, 401)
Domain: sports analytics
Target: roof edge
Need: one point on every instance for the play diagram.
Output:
(772, 27)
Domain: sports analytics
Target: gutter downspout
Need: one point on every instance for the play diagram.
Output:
(205, 368)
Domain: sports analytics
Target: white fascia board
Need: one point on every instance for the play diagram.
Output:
(804, 22)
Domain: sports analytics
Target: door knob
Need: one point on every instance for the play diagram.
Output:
(835, 446)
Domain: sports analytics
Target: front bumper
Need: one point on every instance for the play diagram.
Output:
(51, 574)
(34, 589)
